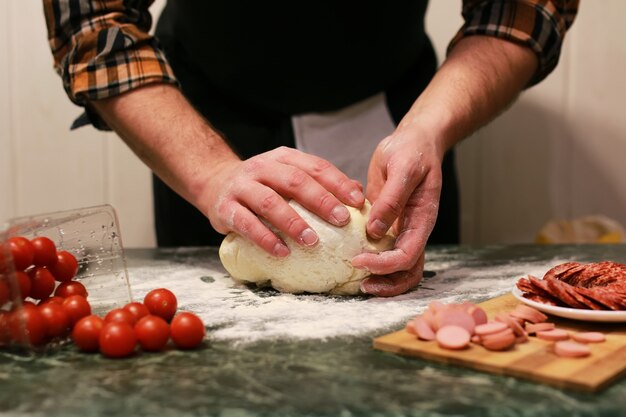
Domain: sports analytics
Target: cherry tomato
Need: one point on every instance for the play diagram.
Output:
(27, 325)
(42, 283)
(65, 268)
(161, 302)
(152, 333)
(5, 327)
(55, 299)
(86, 333)
(45, 251)
(67, 288)
(76, 307)
(187, 330)
(22, 251)
(137, 309)
(3, 261)
(24, 283)
(5, 293)
(56, 321)
(120, 315)
(117, 340)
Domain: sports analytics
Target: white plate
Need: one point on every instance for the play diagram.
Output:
(573, 313)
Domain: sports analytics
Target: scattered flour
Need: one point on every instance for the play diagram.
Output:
(242, 314)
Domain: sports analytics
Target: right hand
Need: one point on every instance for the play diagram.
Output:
(240, 193)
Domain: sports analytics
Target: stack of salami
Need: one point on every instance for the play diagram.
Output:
(593, 286)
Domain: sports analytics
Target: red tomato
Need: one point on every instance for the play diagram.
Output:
(161, 302)
(86, 333)
(45, 251)
(137, 309)
(5, 293)
(55, 318)
(152, 333)
(117, 340)
(120, 315)
(76, 307)
(42, 283)
(3, 261)
(24, 283)
(65, 268)
(187, 330)
(5, 327)
(67, 288)
(22, 251)
(27, 325)
(55, 299)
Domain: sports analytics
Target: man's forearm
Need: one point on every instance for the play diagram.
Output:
(479, 79)
(159, 125)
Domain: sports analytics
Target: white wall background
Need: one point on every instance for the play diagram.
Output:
(559, 152)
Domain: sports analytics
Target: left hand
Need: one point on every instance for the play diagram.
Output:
(404, 185)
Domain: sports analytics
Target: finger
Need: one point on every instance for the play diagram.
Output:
(402, 180)
(416, 224)
(384, 263)
(394, 284)
(250, 227)
(268, 204)
(347, 190)
(293, 182)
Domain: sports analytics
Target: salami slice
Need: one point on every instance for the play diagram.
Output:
(560, 269)
(606, 297)
(559, 290)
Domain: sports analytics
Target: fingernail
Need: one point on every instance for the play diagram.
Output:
(309, 237)
(356, 196)
(363, 287)
(281, 250)
(340, 215)
(379, 228)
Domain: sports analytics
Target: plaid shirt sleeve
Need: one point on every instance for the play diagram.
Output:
(539, 24)
(102, 48)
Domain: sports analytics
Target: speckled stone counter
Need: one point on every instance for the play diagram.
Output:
(271, 354)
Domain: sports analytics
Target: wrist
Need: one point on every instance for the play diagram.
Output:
(430, 131)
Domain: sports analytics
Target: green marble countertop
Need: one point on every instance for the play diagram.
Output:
(247, 367)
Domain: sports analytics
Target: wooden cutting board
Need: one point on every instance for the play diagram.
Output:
(533, 360)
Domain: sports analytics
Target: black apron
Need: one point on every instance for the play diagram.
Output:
(249, 66)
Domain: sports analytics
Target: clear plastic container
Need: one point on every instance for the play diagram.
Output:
(92, 235)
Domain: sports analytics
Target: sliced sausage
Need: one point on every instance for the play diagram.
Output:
(429, 316)
(455, 316)
(410, 328)
(570, 349)
(553, 335)
(453, 337)
(422, 329)
(512, 323)
(530, 314)
(532, 328)
(478, 314)
(588, 337)
(490, 327)
(499, 341)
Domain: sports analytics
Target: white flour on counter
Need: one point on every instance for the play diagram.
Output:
(243, 314)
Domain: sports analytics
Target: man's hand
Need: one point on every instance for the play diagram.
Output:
(164, 130)
(481, 76)
(239, 191)
(404, 182)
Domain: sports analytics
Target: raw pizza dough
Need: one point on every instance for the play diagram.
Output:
(324, 268)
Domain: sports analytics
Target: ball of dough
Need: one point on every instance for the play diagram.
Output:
(324, 268)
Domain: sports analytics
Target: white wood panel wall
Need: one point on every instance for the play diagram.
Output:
(557, 153)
